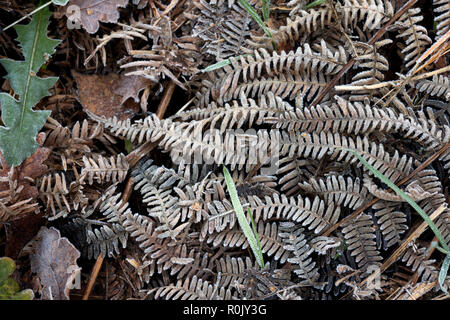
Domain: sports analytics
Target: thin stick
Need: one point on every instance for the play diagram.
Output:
(374, 39)
(167, 96)
(390, 83)
(403, 181)
(93, 277)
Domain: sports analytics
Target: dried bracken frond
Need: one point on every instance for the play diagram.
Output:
(304, 22)
(193, 289)
(232, 270)
(105, 240)
(374, 66)
(268, 237)
(337, 190)
(295, 242)
(169, 55)
(413, 190)
(391, 221)
(315, 214)
(261, 66)
(439, 86)
(222, 28)
(415, 36)
(61, 197)
(372, 12)
(11, 206)
(103, 170)
(358, 118)
(322, 244)
(336, 146)
(442, 11)
(359, 234)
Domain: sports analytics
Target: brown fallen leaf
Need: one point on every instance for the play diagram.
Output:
(130, 87)
(93, 11)
(19, 232)
(30, 169)
(103, 95)
(54, 259)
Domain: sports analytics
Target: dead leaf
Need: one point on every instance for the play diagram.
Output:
(93, 11)
(54, 259)
(30, 169)
(19, 232)
(100, 94)
(130, 87)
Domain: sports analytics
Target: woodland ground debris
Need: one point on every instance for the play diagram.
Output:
(117, 119)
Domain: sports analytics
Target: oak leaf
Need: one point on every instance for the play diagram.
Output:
(94, 11)
(107, 95)
(54, 259)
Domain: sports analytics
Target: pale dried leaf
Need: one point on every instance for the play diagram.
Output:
(93, 11)
(54, 260)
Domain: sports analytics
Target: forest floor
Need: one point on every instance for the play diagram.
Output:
(115, 140)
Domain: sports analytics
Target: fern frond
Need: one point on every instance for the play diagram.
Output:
(223, 28)
(315, 214)
(232, 270)
(415, 36)
(322, 244)
(193, 289)
(393, 223)
(338, 190)
(301, 65)
(439, 86)
(357, 118)
(413, 190)
(291, 172)
(359, 234)
(55, 194)
(295, 242)
(268, 237)
(103, 170)
(373, 12)
(442, 17)
(105, 240)
(286, 86)
(237, 113)
(335, 146)
(11, 206)
(304, 22)
(159, 250)
(416, 258)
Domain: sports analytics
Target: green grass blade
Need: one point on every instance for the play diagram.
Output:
(255, 232)
(384, 179)
(266, 9)
(222, 63)
(443, 272)
(315, 3)
(255, 16)
(243, 223)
